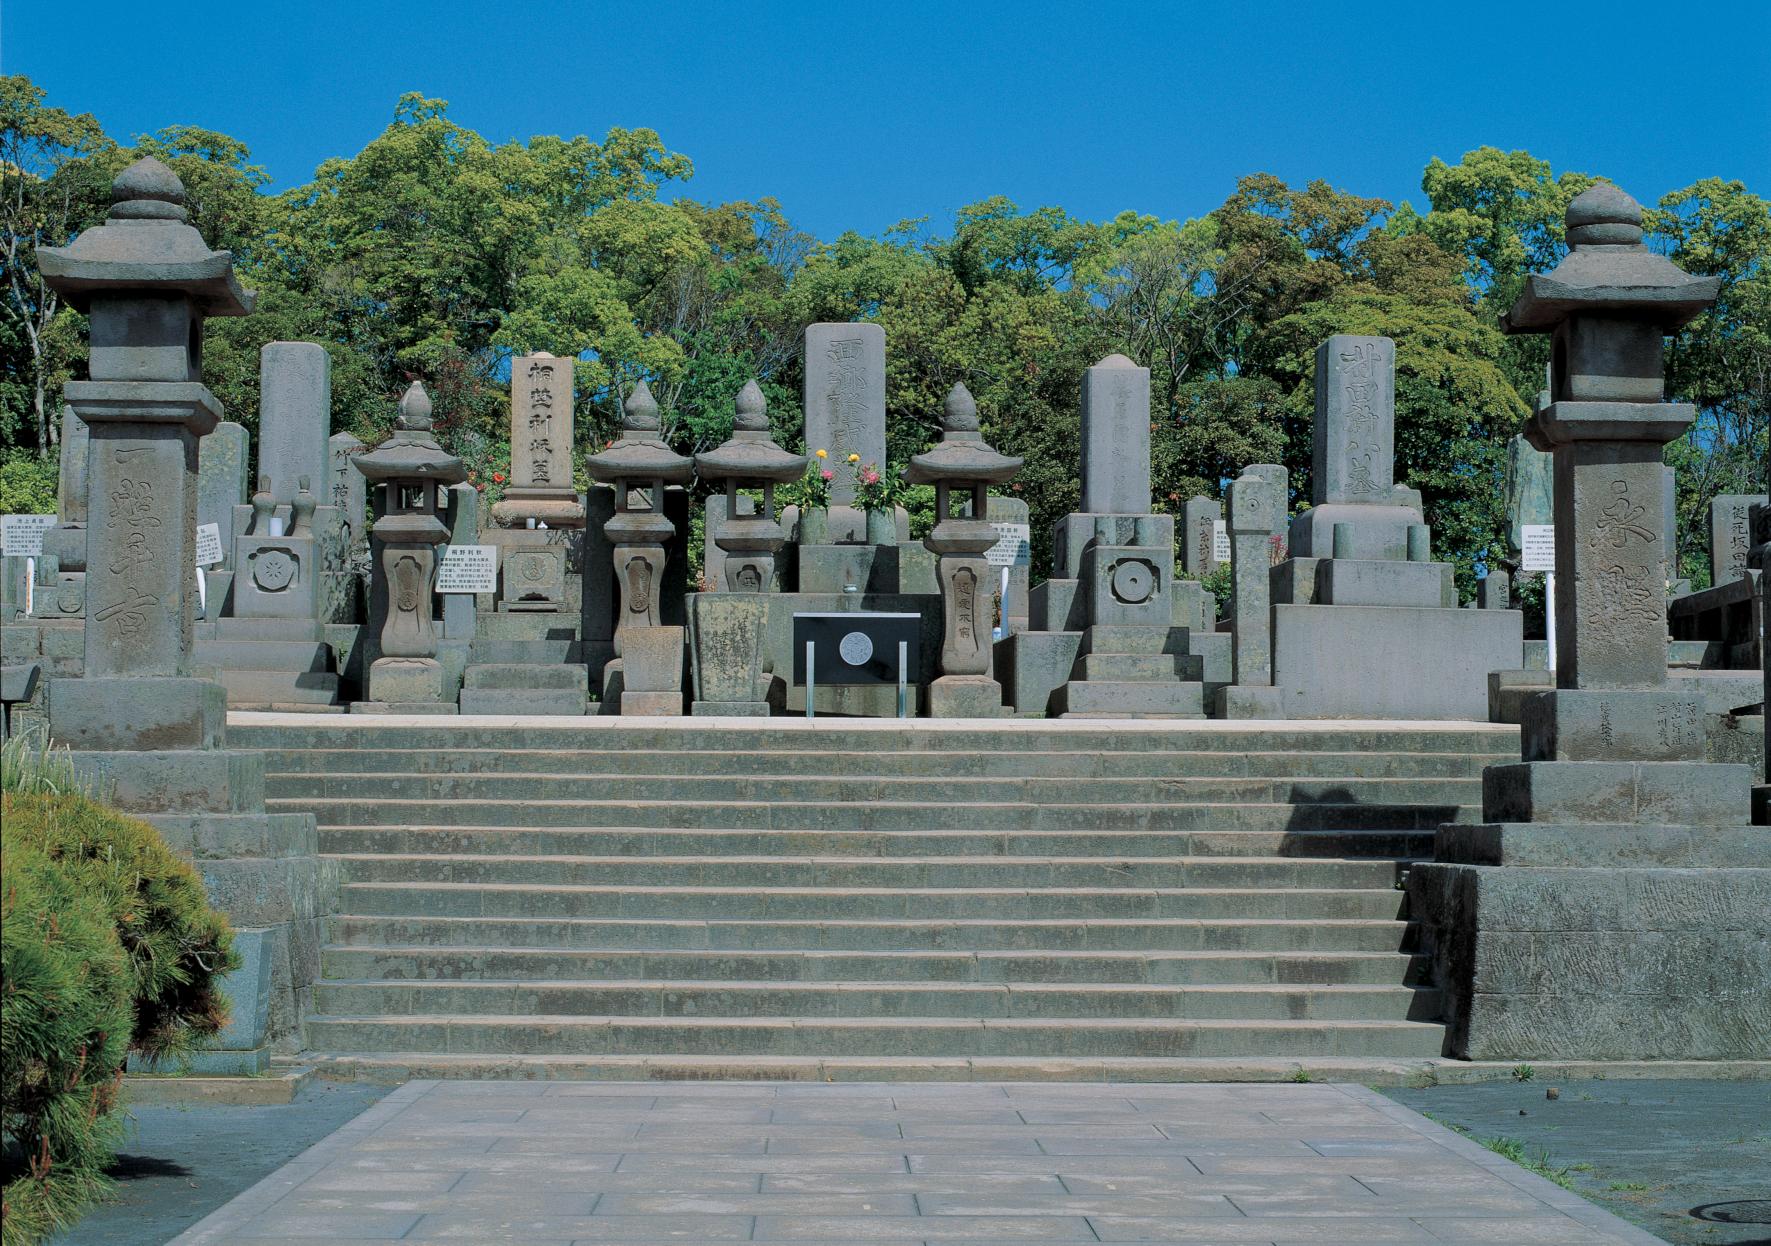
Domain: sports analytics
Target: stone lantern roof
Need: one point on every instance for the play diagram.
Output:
(412, 453)
(963, 456)
(750, 454)
(146, 243)
(1610, 272)
(639, 453)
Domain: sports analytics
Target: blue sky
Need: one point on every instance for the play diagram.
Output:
(857, 116)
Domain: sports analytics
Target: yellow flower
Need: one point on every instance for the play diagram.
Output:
(854, 458)
(823, 454)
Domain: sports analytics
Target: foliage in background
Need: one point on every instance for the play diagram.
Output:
(433, 253)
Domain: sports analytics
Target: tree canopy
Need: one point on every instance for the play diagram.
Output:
(435, 254)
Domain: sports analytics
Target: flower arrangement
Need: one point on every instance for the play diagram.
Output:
(813, 489)
(877, 490)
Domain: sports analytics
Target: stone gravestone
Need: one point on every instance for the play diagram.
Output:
(1280, 497)
(348, 491)
(1199, 554)
(845, 399)
(1529, 500)
(294, 417)
(1605, 907)
(540, 488)
(138, 721)
(61, 569)
(222, 465)
(1116, 438)
(1730, 536)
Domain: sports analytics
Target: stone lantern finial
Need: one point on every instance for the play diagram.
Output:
(752, 409)
(415, 409)
(147, 191)
(959, 414)
(640, 411)
(1604, 215)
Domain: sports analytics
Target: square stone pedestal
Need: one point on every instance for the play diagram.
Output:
(405, 686)
(1248, 701)
(965, 696)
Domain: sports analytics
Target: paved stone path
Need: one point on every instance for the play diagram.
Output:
(633, 1162)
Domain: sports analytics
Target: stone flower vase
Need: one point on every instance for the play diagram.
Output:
(882, 527)
(814, 525)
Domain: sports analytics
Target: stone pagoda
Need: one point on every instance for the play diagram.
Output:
(1613, 905)
(138, 720)
(963, 463)
(645, 677)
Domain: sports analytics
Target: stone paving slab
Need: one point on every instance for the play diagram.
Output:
(584, 1162)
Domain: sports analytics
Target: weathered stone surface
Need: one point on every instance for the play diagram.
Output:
(726, 633)
(1602, 844)
(1199, 543)
(348, 492)
(1391, 661)
(1731, 535)
(1530, 489)
(541, 431)
(1374, 582)
(1253, 507)
(654, 662)
(1691, 794)
(1354, 455)
(294, 415)
(965, 696)
(1495, 591)
(1116, 438)
(1646, 724)
(845, 398)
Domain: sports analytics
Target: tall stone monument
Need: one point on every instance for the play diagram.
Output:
(963, 462)
(845, 397)
(1102, 640)
(294, 417)
(1364, 621)
(139, 719)
(1616, 904)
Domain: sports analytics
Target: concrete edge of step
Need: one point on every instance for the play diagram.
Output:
(279, 1086)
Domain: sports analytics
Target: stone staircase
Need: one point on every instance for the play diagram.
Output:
(604, 898)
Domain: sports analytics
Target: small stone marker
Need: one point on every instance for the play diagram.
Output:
(21, 536)
(222, 463)
(1354, 457)
(1116, 438)
(1199, 553)
(1730, 536)
(845, 398)
(468, 569)
(209, 546)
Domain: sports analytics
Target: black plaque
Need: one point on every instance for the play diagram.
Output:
(857, 648)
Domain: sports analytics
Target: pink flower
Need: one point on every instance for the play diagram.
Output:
(828, 475)
(870, 477)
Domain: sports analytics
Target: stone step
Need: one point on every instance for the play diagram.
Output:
(1385, 845)
(821, 763)
(838, 793)
(546, 702)
(263, 655)
(524, 676)
(837, 903)
(235, 629)
(922, 1037)
(526, 652)
(1128, 698)
(794, 735)
(875, 815)
(967, 934)
(950, 871)
(864, 999)
(1135, 667)
(418, 962)
(279, 688)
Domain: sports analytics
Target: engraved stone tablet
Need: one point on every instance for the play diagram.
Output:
(1354, 456)
(845, 398)
(1116, 438)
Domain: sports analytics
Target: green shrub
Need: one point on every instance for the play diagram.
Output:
(65, 1025)
(177, 945)
(29, 763)
(27, 484)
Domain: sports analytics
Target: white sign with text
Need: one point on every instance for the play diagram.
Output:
(208, 544)
(1014, 545)
(468, 569)
(21, 536)
(1220, 540)
(1537, 547)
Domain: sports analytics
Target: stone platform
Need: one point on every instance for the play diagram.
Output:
(1004, 1162)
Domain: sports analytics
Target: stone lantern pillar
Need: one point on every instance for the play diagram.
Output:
(411, 471)
(1611, 904)
(639, 465)
(964, 463)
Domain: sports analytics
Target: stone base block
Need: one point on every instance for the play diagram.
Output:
(1579, 724)
(1056, 606)
(729, 709)
(404, 707)
(176, 780)
(965, 696)
(1641, 793)
(524, 677)
(259, 689)
(401, 680)
(1120, 699)
(207, 1063)
(1106, 638)
(1380, 530)
(651, 704)
(1368, 662)
(1248, 701)
(1507, 691)
(1127, 666)
(137, 714)
(1032, 665)
(1618, 963)
(1602, 844)
(1293, 582)
(652, 660)
(545, 702)
(1366, 582)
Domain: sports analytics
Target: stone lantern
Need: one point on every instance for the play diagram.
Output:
(147, 281)
(750, 459)
(639, 465)
(411, 471)
(963, 462)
